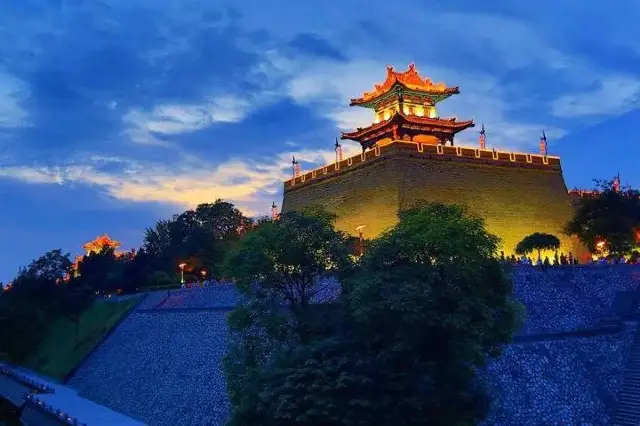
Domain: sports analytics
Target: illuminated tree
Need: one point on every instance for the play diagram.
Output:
(611, 215)
(206, 233)
(421, 314)
(280, 270)
(536, 242)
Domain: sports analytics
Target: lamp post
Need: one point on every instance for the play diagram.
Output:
(204, 274)
(361, 239)
(181, 266)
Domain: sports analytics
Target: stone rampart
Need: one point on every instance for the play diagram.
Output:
(163, 365)
(516, 194)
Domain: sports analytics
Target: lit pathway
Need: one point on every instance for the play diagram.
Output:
(49, 403)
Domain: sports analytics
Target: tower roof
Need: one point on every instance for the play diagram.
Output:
(409, 80)
(100, 243)
(367, 136)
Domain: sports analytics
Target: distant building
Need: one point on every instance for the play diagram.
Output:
(409, 154)
(99, 244)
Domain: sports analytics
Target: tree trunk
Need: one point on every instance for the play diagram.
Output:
(539, 256)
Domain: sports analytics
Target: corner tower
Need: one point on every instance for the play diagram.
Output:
(408, 158)
(404, 108)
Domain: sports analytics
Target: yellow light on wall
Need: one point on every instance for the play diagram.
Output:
(432, 113)
(387, 114)
(419, 111)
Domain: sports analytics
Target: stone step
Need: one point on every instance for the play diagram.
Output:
(629, 408)
(632, 393)
(624, 422)
(624, 397)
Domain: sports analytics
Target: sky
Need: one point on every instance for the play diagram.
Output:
(117, 113)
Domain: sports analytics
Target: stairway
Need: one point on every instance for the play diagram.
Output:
(625, 304)
(628, 404)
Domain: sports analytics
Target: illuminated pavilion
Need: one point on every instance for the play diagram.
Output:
(404, 108)
(409, 156)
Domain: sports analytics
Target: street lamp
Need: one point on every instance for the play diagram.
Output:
(204, 274)
(181, 266)
(359, 229)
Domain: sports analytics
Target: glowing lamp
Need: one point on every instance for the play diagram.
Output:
(361, 239)
(181, 266)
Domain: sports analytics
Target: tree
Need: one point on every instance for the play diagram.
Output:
(611, 216)
(425, 309)
(279, 269)
(78, 298)
(206, 234)
(100, 271)
(287, 259)
(52, 266)
(536, 242)
(34, 300)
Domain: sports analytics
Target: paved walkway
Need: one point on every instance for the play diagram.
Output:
(61, 401)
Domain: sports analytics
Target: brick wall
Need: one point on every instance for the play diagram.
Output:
(516, 198)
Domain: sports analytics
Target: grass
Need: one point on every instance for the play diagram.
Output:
(58, 354)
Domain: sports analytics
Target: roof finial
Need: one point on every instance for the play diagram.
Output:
(543, 144)
(482, 139)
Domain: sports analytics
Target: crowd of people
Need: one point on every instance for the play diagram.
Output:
(567, 260)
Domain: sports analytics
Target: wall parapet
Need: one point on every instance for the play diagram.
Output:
(435, 152)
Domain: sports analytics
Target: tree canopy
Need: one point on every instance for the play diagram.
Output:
(536, 242)
(204, 234)
(610, 217)
(416, 321)
(37, 296)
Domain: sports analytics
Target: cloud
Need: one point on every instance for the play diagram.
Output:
(12, 92)
(615, 95)
(327, 87)
(252, 185)
(172, 119)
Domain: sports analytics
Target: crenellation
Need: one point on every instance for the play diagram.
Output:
(436, 152)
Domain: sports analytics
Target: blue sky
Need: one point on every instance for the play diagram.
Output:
(115, 113)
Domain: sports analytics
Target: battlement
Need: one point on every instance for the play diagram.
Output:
(435, 152)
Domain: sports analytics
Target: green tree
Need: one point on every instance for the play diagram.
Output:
(52, 266)
(78, 298)
(35, 299)
(419, 317)
(611, 216)
(101, 271)
(279, 269)
(206, 233)
(536, 242)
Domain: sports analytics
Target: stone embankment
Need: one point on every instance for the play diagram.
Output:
(163, 364)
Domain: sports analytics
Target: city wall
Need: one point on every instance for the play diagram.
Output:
(162, 365)
(516, 193)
